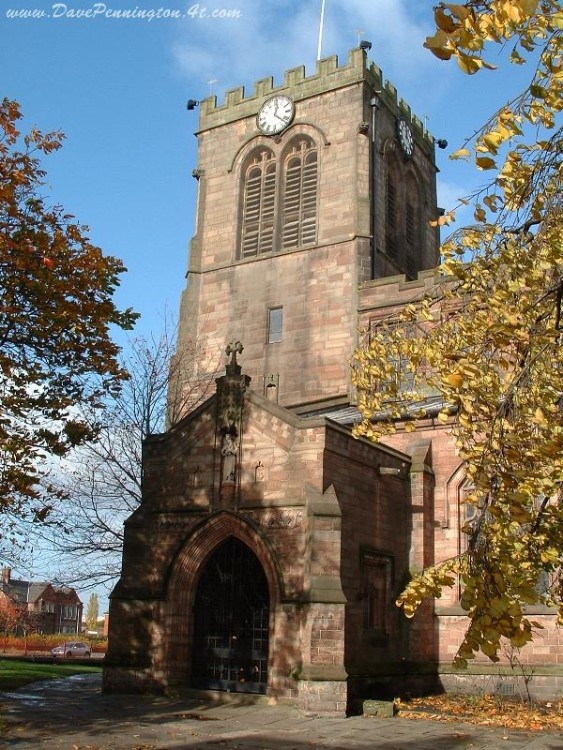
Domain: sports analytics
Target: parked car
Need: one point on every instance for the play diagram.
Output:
(70, 649)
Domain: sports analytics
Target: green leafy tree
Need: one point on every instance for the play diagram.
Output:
(486, 343)
(92, 611)
(56, 310)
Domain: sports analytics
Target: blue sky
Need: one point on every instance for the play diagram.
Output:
(118, 89)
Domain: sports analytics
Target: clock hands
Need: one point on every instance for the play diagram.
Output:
(275, 115)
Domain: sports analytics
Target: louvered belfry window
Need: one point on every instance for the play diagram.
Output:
(412, 227)
(391, 225)
(279, 199)
(299, 217)
(258, 216)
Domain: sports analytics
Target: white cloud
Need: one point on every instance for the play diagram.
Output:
(270, 38)
(392, 28)
(274, 36)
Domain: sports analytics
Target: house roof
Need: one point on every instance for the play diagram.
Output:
(26, 592)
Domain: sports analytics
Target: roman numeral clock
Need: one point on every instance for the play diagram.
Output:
(275, 115)
(405, 137)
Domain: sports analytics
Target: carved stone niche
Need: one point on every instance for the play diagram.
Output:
(196, 478)
(259, 472)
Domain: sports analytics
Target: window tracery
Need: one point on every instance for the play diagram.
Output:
(403, 215)
(279, 198)
(300, 195)
(257, 236)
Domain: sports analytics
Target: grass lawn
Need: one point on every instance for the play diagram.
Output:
(15, 673)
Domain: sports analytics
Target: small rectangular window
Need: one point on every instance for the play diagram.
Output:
(275, 323)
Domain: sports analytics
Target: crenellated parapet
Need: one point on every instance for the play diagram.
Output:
(328, 76)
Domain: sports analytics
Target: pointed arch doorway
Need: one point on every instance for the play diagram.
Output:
(231, 622)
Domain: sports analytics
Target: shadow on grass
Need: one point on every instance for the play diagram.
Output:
(16, 673)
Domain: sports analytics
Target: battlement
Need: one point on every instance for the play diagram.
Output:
(328, 76)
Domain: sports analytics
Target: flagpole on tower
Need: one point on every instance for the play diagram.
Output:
(321, 28)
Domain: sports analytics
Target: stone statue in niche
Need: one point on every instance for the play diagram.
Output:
(229, 448)
(259, 472)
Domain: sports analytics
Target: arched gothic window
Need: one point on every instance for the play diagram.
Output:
(404, 231)
(279, 203)
(468, 514)
(393, 196)
(413, 229)
(299, 219)
(259, 199)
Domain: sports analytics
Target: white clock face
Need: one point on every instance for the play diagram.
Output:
(405, 138)
(275, 114)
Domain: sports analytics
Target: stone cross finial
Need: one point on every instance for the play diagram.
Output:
(234, 348)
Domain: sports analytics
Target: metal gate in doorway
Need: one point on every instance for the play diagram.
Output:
(231, 622)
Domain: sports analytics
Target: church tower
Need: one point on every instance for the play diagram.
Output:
(306, 191)
(270, 544)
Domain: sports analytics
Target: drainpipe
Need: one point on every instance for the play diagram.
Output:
(375, 104)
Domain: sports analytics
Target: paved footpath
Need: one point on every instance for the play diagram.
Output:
(73, 714)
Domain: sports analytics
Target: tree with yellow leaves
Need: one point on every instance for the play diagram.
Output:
(487, 342)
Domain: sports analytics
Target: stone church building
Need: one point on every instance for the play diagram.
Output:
(271, 545)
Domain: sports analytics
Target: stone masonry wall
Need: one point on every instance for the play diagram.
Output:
(375, 519)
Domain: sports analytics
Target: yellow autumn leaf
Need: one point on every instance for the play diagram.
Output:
(529, 6)
(550, 556)
(460, 11)
(443, 21)
(485, 162)
(462, 153)
(469, 64)
(439, 45)
(491, 202)
(455, 379)
(465, 421)
(539, 416)
(492, 141)
(491, 315)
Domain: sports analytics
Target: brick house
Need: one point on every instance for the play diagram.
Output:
(270, 545)
(49, 608)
